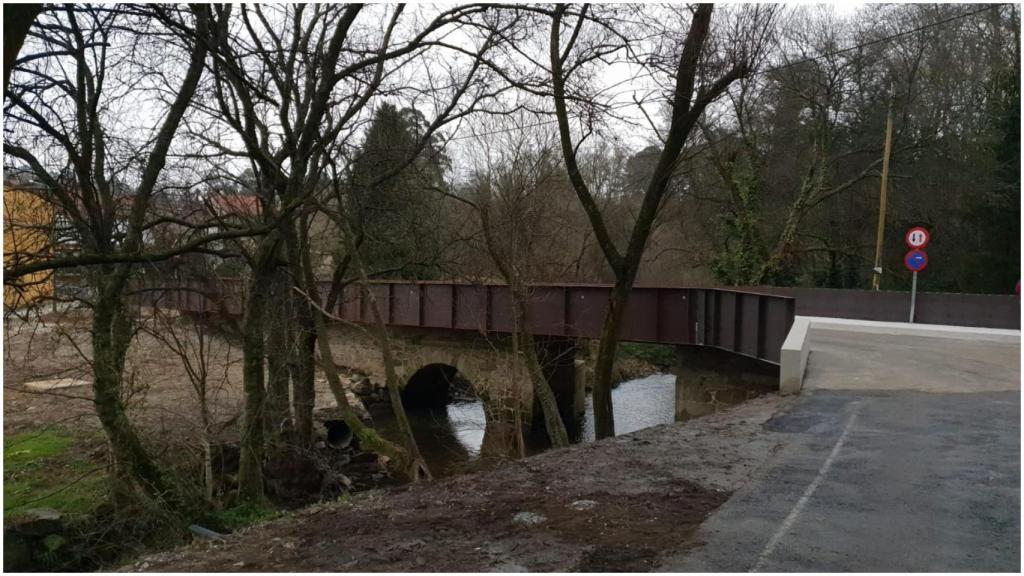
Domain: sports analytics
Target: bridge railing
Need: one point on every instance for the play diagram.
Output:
(949, 308)
(750, 323)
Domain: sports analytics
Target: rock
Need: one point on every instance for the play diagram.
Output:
(336, 480)
(38, 522)
(529, 519)
(342, 459)
(362, 386)
(204, 533)
(364, 458)
(335, 413)
(17, 553)
(583, 505)
(53, 542)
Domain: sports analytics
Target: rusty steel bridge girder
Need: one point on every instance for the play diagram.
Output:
(746, 322)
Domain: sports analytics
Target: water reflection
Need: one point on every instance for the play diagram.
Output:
(637, 404)
(459, 437)
(468, 421)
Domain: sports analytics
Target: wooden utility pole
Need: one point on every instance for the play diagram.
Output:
(877, 279)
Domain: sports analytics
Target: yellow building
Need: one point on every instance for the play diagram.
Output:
(28, 222)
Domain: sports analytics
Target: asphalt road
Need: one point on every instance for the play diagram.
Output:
(901, 455)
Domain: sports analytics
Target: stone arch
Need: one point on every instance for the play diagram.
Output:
(487, 363)
(435, 385)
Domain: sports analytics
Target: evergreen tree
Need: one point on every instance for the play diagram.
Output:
(396, 205)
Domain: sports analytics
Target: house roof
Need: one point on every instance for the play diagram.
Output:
(236, 205)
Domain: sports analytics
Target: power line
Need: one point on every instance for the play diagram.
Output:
(881, 40)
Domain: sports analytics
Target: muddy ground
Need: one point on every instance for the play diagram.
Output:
(162, 402)
(650, 490)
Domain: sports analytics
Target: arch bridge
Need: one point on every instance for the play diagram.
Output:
(727, 341)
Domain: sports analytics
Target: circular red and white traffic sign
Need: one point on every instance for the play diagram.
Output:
(917, 238)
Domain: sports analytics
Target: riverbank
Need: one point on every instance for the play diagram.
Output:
(56, 458)
(617, 504)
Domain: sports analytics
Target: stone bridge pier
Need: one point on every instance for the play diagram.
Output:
(434, 367)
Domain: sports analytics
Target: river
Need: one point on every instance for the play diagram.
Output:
(452, 441)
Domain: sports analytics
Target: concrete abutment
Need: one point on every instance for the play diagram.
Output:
(709, 379)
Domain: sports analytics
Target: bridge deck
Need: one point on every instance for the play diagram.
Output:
(745, 322)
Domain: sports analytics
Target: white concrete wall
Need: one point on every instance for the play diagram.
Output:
(797, 347)
(918, 330)
(793, 359)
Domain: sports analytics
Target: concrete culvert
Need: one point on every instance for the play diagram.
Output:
(339, 435)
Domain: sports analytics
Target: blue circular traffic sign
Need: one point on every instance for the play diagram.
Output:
(916, 260)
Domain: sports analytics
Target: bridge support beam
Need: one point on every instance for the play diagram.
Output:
(709, 379)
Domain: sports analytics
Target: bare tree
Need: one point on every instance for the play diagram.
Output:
(699, 74)
(61, 125)
(200, 351)
(291, 84)
(510, 191)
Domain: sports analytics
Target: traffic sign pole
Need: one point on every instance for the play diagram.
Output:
(913, 296)
(916, 260)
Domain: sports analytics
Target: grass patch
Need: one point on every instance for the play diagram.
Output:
(240, 516)
(46, 469)
(661, 355)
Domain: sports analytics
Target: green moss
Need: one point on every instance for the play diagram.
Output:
(240, 516)
(28, 448)
(44, 469)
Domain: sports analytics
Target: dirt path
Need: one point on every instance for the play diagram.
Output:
(648, 492)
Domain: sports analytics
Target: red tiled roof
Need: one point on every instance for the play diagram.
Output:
(235, 205)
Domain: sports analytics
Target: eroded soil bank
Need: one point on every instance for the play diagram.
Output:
(614, 505)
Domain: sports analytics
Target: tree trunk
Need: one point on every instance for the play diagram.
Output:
(111, 334)
(368, 438)
(301, 360)
(279, 321)
(523, 338)
(604, 417)
(812, 181)
(418, 464)
(303, 374)
(250, 466)
(18, 19)
(553, 423)
(204, 411)
(687, 105)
